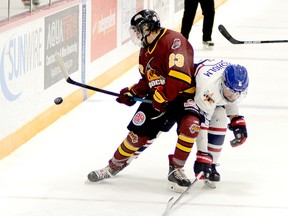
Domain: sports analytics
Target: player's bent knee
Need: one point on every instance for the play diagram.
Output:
(190, 126)
(137, 141)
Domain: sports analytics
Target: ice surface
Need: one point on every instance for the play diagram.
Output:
(47, 175)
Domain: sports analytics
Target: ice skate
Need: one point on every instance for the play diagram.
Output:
(208, 45)
(98, 175)
(213, 177)
(178, 181)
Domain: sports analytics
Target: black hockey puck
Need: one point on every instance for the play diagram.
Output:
(58, 100)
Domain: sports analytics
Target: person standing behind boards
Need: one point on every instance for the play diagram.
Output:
(208, 11)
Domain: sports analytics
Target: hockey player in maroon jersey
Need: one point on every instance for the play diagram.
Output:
(167, 78)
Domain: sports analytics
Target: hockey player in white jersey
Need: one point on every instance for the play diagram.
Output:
(220, 86)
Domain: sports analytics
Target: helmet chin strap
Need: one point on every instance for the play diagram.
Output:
(144, 38)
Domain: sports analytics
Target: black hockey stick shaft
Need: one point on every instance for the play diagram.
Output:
(232, 40)
(71, 81)
(64, 70)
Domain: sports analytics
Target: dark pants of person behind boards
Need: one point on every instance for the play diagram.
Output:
(208, 11)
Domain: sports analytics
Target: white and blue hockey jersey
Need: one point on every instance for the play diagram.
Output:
(208, 74)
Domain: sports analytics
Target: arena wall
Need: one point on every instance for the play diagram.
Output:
(87, 34)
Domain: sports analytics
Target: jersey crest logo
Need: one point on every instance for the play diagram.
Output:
(151, 75)
(139, 118)
(208, 97)
(176, 44)
(153, 78)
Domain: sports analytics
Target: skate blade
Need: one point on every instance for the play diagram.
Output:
(209, 184)
(176, 188)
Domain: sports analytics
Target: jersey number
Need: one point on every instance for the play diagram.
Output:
(176, 59)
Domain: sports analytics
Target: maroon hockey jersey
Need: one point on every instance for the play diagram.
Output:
(168, 62)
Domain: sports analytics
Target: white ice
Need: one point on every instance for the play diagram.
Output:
(47, 175)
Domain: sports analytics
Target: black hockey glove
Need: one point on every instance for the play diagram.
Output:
(125, 97)
(203, 163)
(238, 126)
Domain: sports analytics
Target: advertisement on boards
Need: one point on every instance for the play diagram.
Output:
(20, 60)
(21, 67)
(61, 36)
(103, 27)
(128, 9)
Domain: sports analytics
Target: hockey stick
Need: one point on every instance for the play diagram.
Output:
(232, 40)
(64, 70)
(171, 204)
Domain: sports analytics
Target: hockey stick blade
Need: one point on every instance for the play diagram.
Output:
(172, 203)
(226, 34)
(64, 71)
(168, 207)
(232, 40)
(62, 66)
